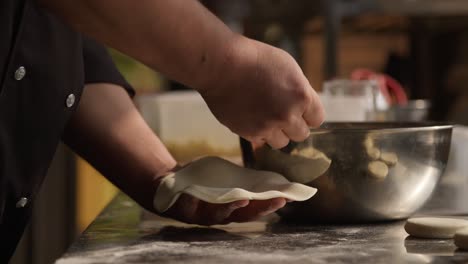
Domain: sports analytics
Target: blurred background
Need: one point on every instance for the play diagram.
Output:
(421, 44)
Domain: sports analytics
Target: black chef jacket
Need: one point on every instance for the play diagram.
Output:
(43, 67)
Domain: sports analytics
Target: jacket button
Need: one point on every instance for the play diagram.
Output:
(20, 73)
(70, 100)
(22, 202)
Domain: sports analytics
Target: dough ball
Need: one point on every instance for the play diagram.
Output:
(434, 227)
(368, 142)
(216, 180)
(390, 158)
(373, 153)
(461, 238)
(378, 169)
(369, 146)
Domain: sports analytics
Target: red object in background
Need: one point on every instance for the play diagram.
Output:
(389, 87)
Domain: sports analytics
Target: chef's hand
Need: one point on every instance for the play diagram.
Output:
(262, 95)
(191, 210)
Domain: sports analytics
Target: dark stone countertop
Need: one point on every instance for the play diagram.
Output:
(123, 233)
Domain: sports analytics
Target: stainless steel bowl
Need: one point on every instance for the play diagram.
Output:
(414, 111)
(348, 191)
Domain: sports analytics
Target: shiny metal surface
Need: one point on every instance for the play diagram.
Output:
(347, 191)
(414, 111)
(70, 100)
(22, 202)
(120, 235)
(20, 73)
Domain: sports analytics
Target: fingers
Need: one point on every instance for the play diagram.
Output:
(184, 209)
(294, 126)
(314, 113)
(274, 205)
(211, 214)
(194, 211)
(277, 139)
(297, 126)
(191, 210)
(256, 209)
(297, 130)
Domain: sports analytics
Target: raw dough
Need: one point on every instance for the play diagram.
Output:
(378, 169)
(373, 153)
(390, 158)
(433, 227)
(371, 150)
(216, 180)
(461, 238)
(303, 165)
(368, 142)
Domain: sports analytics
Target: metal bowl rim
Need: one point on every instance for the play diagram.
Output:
(393, 127)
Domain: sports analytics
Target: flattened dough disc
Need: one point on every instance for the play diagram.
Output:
(434, 227)
(216, 180)
(461, 238)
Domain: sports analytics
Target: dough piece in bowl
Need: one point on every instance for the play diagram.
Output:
(371, 150)
(373, 153)
(378, 170)
(216, 180)
(434, 227)
(390, 158)
(461, 238)
(301, 165)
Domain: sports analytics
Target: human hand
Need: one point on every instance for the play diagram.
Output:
(262, 95)
(191, 210)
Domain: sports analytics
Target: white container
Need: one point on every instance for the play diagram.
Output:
(344, 108)
(351, 101)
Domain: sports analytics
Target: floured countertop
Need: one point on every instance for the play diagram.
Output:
(121, 235)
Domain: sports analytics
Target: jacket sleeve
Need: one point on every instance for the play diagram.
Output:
(99, 67)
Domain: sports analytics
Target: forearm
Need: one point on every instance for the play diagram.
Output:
(108, 131)
(179, 38)
(257, 91)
